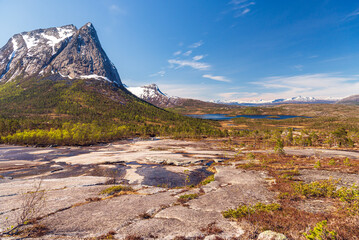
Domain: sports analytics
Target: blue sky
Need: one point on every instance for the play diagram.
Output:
(214, 49)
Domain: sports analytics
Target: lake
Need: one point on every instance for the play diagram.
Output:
(226, 117)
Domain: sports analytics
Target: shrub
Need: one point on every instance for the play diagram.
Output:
(317, 164)
(115, 189)
(187, 197)
(207, 180)
(332, 162)
(320, 232)
(347, 162)
(244, 210)
(279, 147)
(251, 156)
(325, 188)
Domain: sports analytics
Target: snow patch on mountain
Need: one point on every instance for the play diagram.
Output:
(94, 76)
(52, 40)
(14, 44)
(30, 41)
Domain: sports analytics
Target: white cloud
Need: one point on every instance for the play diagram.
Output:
(320, 85)
(216, 78)
(198, 57)
(192, 64)
(187, 53)
(195, 91)
(177, 53)
(116, 9)
(241, 7)
(352, 15)
(245, 11)
(236, 95)
(158, 74)
(196, 44)
(298, 67)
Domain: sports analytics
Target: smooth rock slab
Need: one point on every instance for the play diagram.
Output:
(270, 235)
(106, 215)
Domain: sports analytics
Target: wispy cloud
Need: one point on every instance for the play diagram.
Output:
(117, 10)
(187, 53)
(177, 53)
(189, 63)
(351, 15)
(182, 59)
(241, 7)
(196, 44)
(197, 91)
(236, 95)
(298, 67)
(158, 74)
(314, 85)
(198, 57)
(216, 78)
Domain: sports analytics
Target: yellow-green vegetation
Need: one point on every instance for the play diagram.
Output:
(250, 156)
(185, 198)
(289, 174)
(207, 180)
(244, 210)
(116, 189)
(324, 188)
(329, 189)
(347, 162)
(317, 164)
(340, 203)
(332, 162)
(320, 232)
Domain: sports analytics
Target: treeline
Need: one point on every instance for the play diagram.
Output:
(269, 138)
(92, 133)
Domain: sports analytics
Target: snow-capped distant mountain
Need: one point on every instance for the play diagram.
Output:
(152, 94)
(294, 100)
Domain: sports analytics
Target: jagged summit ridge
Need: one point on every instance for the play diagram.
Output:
(67, 51)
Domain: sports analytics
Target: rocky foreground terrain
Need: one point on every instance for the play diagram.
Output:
(162, 195)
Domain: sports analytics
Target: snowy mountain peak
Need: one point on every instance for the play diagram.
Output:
(147, 91)
(65, 51)
(152, 94)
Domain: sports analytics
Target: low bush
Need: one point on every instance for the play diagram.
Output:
(207, 180)
(116, 189)
(244, 210)
(320, 232)
(187, 197)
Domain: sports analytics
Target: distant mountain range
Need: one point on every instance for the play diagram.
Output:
(152, 94)
(293, 100)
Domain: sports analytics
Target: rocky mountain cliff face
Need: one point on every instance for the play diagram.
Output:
(64, 51)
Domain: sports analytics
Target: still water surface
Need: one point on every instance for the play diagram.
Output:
(226, 117)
